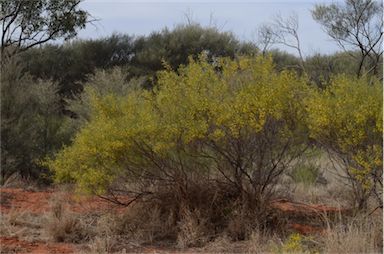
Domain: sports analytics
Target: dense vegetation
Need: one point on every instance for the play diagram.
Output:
(190, 120)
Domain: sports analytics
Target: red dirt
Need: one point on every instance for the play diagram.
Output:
(16, 199)
(15, 245)
(35, 202)
(38, 202)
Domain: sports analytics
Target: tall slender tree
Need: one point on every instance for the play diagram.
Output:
(355, 25)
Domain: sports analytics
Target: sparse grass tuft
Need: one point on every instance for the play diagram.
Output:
(193, 230)
(65, 226)
(258, 243)
(221, 244)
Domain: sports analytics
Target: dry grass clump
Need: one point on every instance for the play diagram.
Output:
(16, 223)
(105, 240)
(332, 194)
(65, 226)
(193, 229)
(221, 244)
(143, 224)
(258, 242)
(192, 218)
(107, 237)
(138, 226)
(358, 235)
(241, 225)
(206, 218)
(105, 244)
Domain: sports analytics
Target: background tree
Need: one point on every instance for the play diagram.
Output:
(25, 24)
(31, 124)
(175, 46)
(322, 68)
(355, 25)
(70, 64)
(283, 31)
(285, 61)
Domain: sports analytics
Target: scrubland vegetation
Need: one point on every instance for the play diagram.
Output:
(204, 142)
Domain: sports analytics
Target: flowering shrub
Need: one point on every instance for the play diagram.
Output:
(346, 118)
(293, 244)
(237, 120)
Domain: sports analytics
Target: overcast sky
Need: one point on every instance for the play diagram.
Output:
(240, 17)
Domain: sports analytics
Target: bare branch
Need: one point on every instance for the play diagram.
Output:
(350, 25)
(282, 31)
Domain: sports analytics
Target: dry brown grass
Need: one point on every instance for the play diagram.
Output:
(102, 245)
(334, 191)
(221, 244)
(142, 224)
(169, 220)
(332, 194)
(63, 225)
(258, 242)
(193, 229)
(240, 226)
(358, 235)
(146, 224)
(21, 224)
(205, 218)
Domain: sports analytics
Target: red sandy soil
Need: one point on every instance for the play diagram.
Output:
(15, 245)
(16, 199)
(38, 202)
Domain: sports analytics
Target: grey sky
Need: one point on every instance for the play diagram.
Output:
(240, 17)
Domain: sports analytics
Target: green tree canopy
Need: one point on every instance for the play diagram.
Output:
(355, 25)
(26, 24)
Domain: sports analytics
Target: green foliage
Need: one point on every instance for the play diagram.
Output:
(102, 83)
(297, 243)
(31, 125)
(321, 68)
(340, 20)
(175, 46)
(293, 244)
(70, 64)
(30, 23)
(355, 25)
(244, 123)
(346, 118)
(306, 173)
(285, 61)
